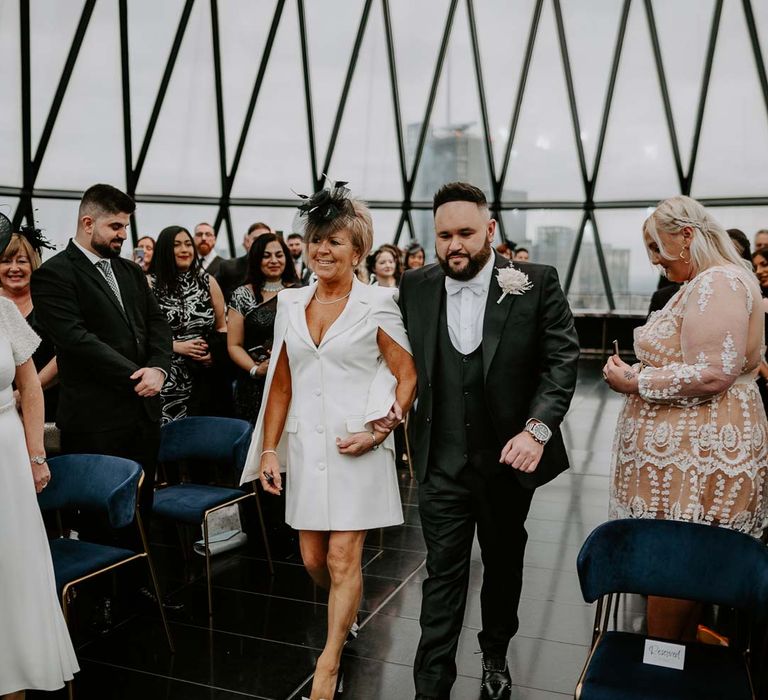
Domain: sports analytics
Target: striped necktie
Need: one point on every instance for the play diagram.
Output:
(106, 269)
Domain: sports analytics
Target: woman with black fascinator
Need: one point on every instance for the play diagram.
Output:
(340, 377)
(194, 306)
(21, 258)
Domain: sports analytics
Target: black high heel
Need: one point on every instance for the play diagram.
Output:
(339, 683)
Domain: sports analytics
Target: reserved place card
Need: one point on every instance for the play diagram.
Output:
(664, 654)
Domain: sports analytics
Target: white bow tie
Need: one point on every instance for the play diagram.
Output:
(453, 286)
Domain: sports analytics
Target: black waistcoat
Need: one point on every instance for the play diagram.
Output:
(462, 430)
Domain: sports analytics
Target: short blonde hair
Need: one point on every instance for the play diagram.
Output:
(356, 219)
(20, 245)
(710, 244)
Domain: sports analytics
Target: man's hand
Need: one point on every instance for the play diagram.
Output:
(151, 381)
(390, 421)
(522, 452)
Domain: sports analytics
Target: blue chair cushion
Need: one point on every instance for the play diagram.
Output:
(188, 502)
(73, 559)
(617, 672)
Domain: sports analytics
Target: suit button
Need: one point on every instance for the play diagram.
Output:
(465, 456)
(318, 392)
(429, 420)
(321, 466)
(319, 428)
(466, 393)
(465, 359)
(466, 425)
(429, 385)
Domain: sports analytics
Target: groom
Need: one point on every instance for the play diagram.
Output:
(496, 375)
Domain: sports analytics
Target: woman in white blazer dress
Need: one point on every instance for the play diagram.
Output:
(342, 377)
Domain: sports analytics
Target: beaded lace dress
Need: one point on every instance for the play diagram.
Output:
(692, 445)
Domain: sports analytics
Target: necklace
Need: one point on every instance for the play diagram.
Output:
(272, 286)
(332, 301)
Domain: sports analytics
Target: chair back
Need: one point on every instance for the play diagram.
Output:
(675, 560)
(206, 438)
(93, 482)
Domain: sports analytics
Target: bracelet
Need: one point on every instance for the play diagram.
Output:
(268, 452)
(375, 444)
(254, 369)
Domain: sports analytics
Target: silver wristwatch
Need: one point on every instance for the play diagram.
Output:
(38, 459)
(538, 431)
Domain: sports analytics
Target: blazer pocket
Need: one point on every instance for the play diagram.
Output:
(356, 424)
(291, 424)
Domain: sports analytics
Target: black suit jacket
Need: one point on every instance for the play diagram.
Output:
(231, 275)
(530, 356)
(98, 344)
(215, 266)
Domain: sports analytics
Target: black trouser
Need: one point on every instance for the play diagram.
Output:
(139, 442)
(450, 507)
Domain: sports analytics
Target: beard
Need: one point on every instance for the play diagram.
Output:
(104, 248)
(475, 263)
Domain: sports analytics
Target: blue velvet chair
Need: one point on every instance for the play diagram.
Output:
(102, 484)
(673, 560)
(218, 440)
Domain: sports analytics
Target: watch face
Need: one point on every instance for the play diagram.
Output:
(541, 431)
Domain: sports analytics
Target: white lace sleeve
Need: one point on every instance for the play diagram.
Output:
(713, 341)
(24, 340)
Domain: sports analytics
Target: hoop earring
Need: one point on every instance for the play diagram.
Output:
(684, 259)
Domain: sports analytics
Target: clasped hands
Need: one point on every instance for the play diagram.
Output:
(151, 380)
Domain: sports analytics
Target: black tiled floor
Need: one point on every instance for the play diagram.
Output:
(267, 631)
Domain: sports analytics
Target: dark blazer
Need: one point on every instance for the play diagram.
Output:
(215, 266)
(530, 356)
(98, 345)
(231, 275)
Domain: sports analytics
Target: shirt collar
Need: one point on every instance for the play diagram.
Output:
(479, 284)
(92, 257)
(208, 259)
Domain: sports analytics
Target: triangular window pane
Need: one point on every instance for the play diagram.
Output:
(385, 223)
(455, 146)
(633, 278)
(683, 28)
(330, 48)
(243, 29)
(503, 30)
(276, 160)
(52, 29)
(733, 150)
(591, 30)
(152, 27)
(183, 156)
(10, 105)
(417, 28)
(58, 220)
(637, 160)
(544, 161)
(86, 144)
(587, 290)
(366, 150)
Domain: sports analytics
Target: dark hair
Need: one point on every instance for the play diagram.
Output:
(412, 249)
(105, 199)
(255, 276)
(163, 265)
(520, 250)
(760, 252)
(742, 242)
(259, 224)
(370, 261)
(205, 223)
(458, 192)
(291, 236)
(146, 238)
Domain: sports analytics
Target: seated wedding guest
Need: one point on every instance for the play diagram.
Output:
(205, 242)
(144, 260)
(741, 242)
(251, 319)
(691, 437)
(232, 273)
(326, 387)
(35, 650)
(761, 239)
(384, 267)
(414, 257)
(194, 307)
(20, 259)
(521, 255)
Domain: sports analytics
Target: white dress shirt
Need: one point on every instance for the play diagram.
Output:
(465, 308)
(208, 259)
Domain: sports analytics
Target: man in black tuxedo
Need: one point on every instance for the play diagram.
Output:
(232, 273)
(113, 344)
(295, 243)
(205, 243)
(496, 376)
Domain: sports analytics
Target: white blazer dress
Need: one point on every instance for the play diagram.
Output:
(338, 388)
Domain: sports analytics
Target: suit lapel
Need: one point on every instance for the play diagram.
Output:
(495, 315)
(90, 269)
(126, 283)
(429, 298)
(356, 310)
(298, 314)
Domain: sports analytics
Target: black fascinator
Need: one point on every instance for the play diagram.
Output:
(5, 232)
(36, 238)
(327, 204)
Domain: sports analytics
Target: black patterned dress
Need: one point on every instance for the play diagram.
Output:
(190, 314)
(259, 329)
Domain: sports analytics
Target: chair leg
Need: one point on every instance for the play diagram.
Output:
(408, 445)
(207, 565)
(264, 531)
(155, 583)
(65, 613)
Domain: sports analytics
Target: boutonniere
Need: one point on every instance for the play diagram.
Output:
(512, 281)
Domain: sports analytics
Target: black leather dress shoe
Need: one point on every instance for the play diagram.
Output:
(148, 599)
(497, 683)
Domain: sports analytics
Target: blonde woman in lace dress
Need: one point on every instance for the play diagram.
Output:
(691, 439)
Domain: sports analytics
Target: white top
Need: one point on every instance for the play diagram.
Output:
(465, 308)
(338, 388)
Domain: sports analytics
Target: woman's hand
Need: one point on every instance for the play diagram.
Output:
(196, 348)
(390, 421)
(269, 474)
(358, 444)
(41, 475)
(620, 376)
(262, 368)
